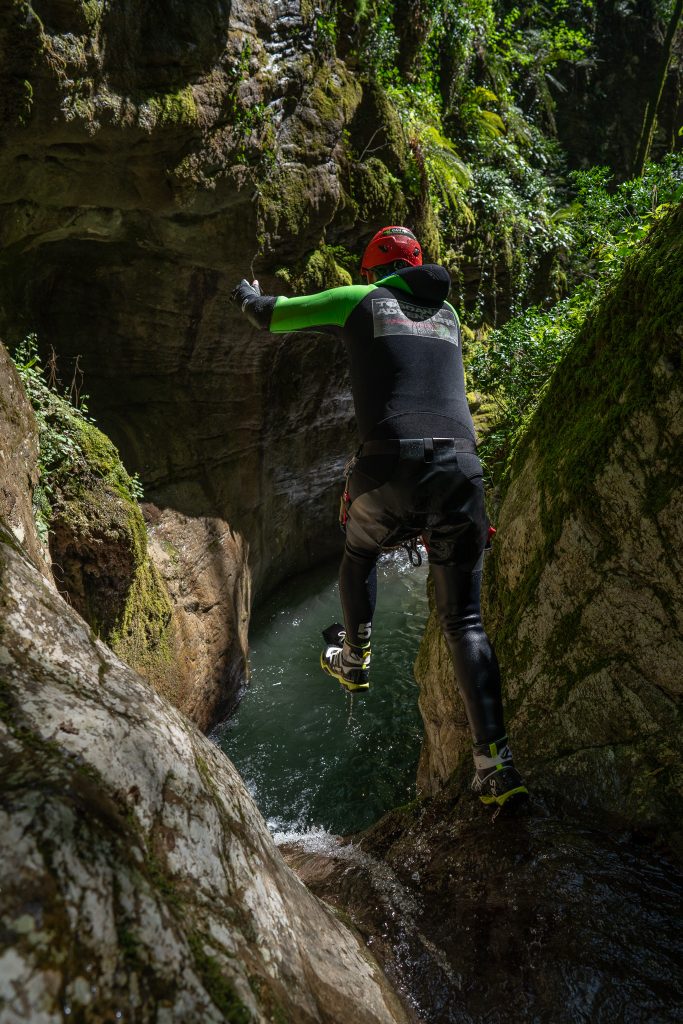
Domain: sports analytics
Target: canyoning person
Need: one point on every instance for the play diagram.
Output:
(416, 471)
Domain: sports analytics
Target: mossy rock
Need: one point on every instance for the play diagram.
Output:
(315, 273)
(334, 94)
(176, 109)
(284, 204)
(295, 199)
(98, 542)
(377, 194)
(583, 590)
(376, 129)
(622, 362)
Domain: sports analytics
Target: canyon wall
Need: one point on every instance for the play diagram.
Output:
(152, 154)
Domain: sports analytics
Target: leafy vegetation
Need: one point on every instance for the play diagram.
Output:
(467, 79)
(474, 83)
(63, 433)
(515, 362)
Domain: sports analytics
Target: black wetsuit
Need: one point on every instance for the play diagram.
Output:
(417, 472)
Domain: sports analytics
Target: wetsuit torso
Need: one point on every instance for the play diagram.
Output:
(404, 346)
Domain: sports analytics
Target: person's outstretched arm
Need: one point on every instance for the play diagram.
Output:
(318, 312)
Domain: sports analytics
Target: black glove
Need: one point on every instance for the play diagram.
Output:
(257, 308)
(243, 292)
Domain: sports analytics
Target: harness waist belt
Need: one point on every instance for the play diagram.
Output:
(407, 447)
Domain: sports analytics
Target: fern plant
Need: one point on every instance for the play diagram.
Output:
(448, 175)
(484, 121)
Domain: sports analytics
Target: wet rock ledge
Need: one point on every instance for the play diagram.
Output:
(539, 917)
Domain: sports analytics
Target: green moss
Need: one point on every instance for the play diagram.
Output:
(92, 11)
(102, 457)
(25, 104)
(206, 776)
(334, 92)
(144, 632)
(377, 194)
(284, 207)
(323, 102)
(174, 108)
(80, 108)
(215, 982)
(315, 272)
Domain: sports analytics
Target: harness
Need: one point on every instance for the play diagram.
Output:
(405, 448)
(345, 503)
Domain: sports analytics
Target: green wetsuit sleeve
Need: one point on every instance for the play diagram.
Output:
(324, 309)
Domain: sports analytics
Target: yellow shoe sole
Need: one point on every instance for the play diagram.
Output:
(500, 800)
(351, 687)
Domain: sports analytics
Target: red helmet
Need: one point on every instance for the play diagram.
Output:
(389, 244)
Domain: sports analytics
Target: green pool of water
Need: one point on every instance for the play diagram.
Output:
(312, 755)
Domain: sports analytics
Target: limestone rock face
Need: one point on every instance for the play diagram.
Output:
(153, 154)
(204, 566)
(19, 463)
(138, 877)
(585, 586)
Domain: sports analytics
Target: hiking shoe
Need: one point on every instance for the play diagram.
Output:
(349, 665)
(496, 780)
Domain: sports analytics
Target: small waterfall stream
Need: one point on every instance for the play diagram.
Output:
(313, 755)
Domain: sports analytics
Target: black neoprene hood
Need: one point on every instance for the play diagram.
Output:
(430, 282)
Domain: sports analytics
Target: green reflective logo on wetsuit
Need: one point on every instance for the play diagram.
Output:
(392, 316)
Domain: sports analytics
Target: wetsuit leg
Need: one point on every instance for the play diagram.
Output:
(456, 557)
(457, 594)
(367, 526)
(358, 594)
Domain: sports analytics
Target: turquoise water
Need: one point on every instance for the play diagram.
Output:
(311, 754)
